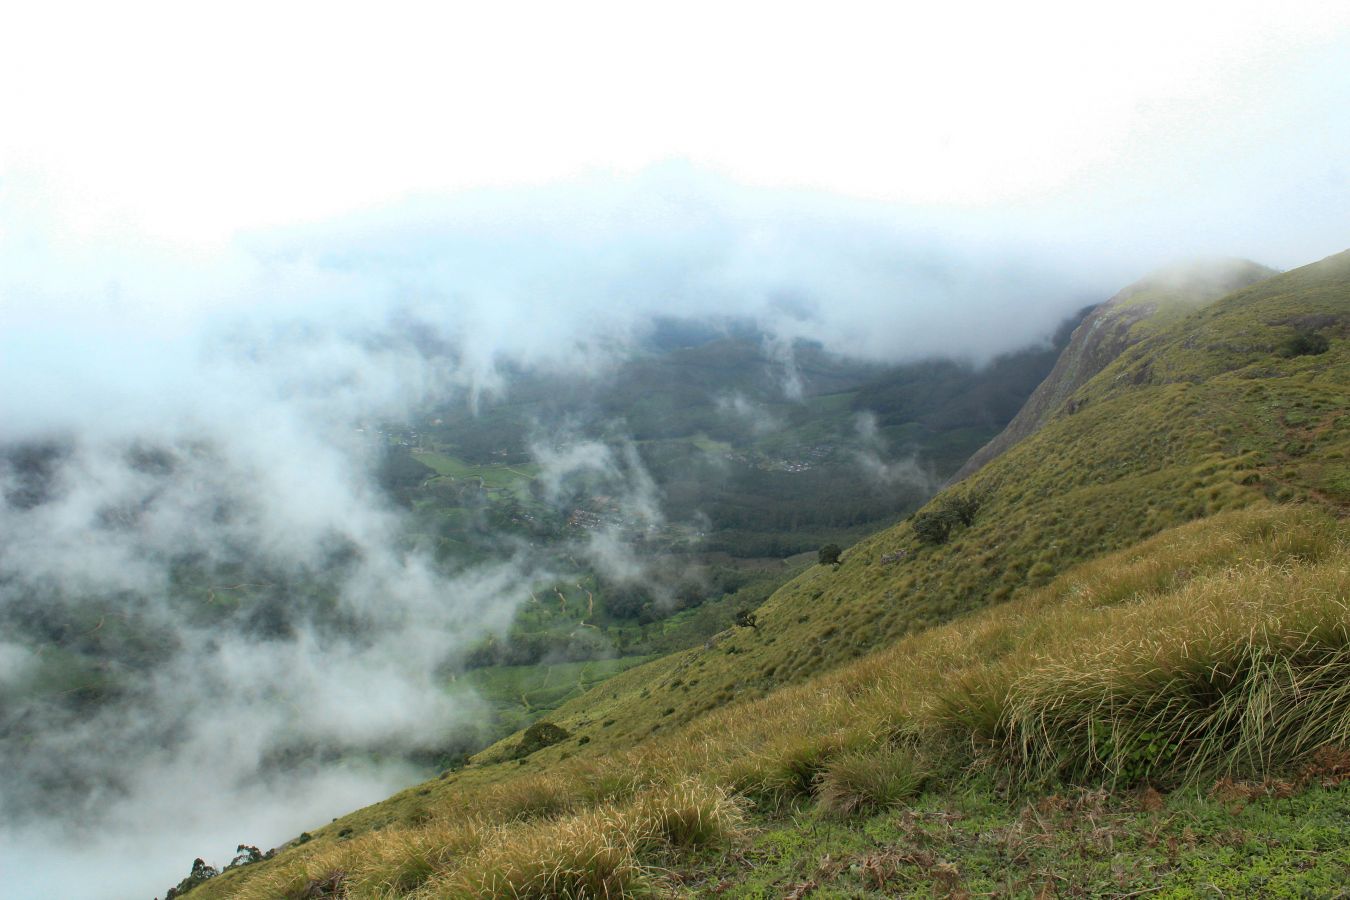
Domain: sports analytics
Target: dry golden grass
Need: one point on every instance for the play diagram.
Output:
(604, 850)
(1229, 674)
(590, 854)
(387, 863)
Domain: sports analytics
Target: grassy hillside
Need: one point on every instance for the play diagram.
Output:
(1148, 591)
(517, 695)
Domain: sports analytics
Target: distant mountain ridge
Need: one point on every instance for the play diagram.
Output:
(1121, 322)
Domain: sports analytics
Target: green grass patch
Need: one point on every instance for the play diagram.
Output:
(1071, 844)
(493, 478)
(523, 693)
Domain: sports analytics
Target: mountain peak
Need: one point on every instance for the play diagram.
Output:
(1119, 323)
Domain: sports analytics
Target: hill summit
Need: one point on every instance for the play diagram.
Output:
(1121, 322)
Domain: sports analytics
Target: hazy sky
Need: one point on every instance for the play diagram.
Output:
(190, 124)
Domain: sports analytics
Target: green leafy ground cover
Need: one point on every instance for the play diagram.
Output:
(1079, 843)
(518, 695)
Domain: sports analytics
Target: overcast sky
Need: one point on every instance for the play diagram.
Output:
(190, 124)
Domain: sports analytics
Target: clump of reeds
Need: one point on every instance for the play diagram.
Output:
(1230, 674)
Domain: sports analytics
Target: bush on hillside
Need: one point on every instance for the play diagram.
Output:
(200, 874)
(936, 526)
(932, 527)
(963, 508)
(1304, 342)
(537, 737)
(829, 555)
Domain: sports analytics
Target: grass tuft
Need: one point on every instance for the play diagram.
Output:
(588, 855)
(787, 770)
(862, 783)
(379, 864)
(689, 814)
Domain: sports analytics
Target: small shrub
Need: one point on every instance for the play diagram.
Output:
(932, 527)
(829, 555)
(200, 874)
(963, 508)
(1304, 343)
(936, 526)
(537, 737)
